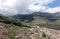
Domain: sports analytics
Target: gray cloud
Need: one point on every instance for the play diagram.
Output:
(12, 7)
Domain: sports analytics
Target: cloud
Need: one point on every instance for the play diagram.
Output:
(23, 6)
(9, 3)
(37, 8)
(52, 10)
(8, 12)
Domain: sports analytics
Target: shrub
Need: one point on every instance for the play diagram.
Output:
(43, 34)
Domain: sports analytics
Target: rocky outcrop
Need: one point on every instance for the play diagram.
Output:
(37, 32)
(51, 33)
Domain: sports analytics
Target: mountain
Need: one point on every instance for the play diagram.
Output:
(24, 17)
(57, 14)
(30, 17)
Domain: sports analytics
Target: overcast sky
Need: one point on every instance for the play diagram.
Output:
(12, 7)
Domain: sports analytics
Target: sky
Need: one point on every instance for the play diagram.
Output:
(13, 7)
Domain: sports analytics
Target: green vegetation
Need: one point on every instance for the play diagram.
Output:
(14, 30)
(43, 34)
(44, 23)
(8, 20)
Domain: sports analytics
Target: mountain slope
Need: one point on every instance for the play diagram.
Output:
(30, 17)
(16, 29)
(7, 20)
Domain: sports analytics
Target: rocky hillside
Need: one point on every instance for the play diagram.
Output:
(37, 32)
(15, 29)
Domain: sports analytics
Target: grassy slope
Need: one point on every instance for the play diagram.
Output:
(14, 30)
(43, 23)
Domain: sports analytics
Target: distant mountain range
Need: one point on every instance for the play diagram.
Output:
(30, 17)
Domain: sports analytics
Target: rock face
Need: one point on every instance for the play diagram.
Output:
(3, 32)
(35, 33)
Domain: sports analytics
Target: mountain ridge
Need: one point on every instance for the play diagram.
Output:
(37, 14)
